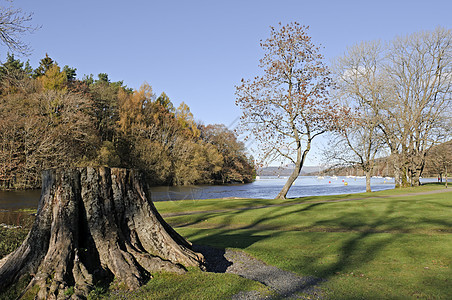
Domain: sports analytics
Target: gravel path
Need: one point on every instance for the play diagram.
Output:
(286, 284)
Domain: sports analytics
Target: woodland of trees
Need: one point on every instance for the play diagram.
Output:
(49, 118)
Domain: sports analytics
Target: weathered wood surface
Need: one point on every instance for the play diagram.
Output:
(95, 224)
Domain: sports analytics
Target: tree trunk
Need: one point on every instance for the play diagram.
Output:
(396, 170)
(301, 155)
(446, 176)
(368, 189)
(92, 225)
(283, 193)
(406, 181)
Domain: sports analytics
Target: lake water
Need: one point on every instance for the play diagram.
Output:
(269, 187)
(265, 187)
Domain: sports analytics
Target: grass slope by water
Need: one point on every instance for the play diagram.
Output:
(394, 244)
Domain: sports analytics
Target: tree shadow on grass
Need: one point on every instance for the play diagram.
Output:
(371, 232)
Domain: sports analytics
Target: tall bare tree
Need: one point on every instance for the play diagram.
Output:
(360, 82)
(407, 85)
(357, 143)
(287, 107)
(419, 69)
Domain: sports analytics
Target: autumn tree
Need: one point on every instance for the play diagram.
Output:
(287, 107)
(148, 130)
(163, 141)
(164, 101)
(194, 161)
(186, 119)
(53, 79)
(237, 166)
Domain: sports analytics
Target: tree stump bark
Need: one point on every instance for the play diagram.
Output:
(95, 224)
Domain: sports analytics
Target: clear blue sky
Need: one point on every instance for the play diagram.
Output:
(197, 51)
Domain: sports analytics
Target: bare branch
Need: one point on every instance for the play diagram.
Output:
(13, 24)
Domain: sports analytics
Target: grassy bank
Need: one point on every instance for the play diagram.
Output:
(392, 244)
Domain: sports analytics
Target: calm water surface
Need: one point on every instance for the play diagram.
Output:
(269, 187)
(19, 199)
(265, 187)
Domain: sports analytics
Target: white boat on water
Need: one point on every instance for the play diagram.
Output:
(320, 177)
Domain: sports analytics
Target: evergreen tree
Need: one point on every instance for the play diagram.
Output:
(12, 73)
(11, 64)
(70, 73)
(45, 64)
(28, 68)
(88, 79)
(102, 77)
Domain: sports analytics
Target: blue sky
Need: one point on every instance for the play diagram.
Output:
(197, 51)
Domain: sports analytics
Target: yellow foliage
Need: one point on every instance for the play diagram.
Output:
(186, 119)
(54, 79)
(131, 106)
(107, 155)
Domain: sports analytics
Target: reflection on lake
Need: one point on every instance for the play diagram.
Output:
(264, 187)
(13, 200)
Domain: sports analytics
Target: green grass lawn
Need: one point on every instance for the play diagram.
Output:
(398, 247)
(394, 244)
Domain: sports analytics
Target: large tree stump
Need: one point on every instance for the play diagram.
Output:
(95, 224)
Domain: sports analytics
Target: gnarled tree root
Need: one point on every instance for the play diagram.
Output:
(95, 224)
